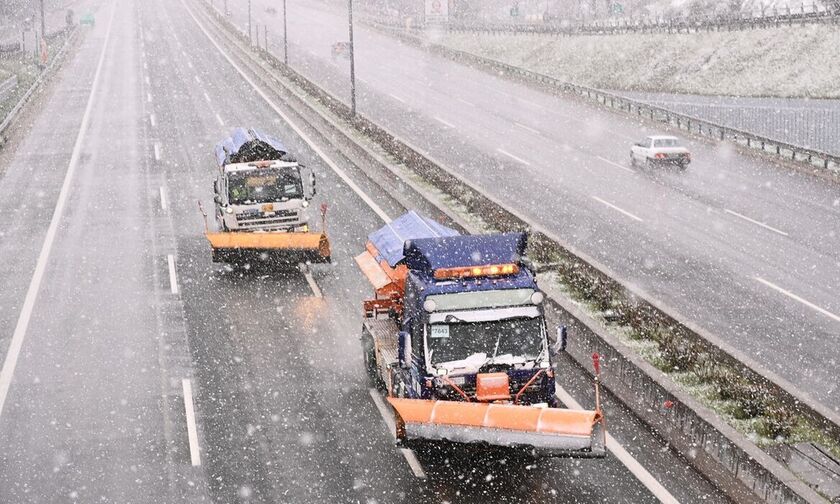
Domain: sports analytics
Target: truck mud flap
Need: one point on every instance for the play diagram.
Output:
(551, 432)
(274, 247)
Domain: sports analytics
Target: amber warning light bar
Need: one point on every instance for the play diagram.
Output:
(476, 271)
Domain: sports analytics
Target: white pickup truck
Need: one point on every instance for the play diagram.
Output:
(660, 150)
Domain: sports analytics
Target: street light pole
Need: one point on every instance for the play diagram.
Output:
(285, 37)
(352, 61)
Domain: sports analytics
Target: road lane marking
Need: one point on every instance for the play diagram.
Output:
(310, 280)
(303, 136)
(173, 279)
(396, 98)
(162, 198)
(149, 97)
(145, 66)
(189, 64)
(206, 97)
(465, 102)
(219, 118)
(625, 212)
(527, 128)
(793, 296)
(515, 158)
(757, 223)
(197, 80)
(192, 432)
(12, 354)
(445, 123)
(148, 82)
(157, 151)
(409, 455)
(152, 120)
(623, 456)
(616, 164)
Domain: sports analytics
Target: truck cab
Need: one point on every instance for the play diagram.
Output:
(260, 187)
(461, 322)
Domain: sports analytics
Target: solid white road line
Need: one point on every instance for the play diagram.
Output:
(409, 455)
(219, 118)
(616, 164)
(445, 123)
(152, 120)
(157, 151)
(757, 223)
(515, 158)
(527, 128)
(192, 433)
(623, 456)
(312, 145)
(162, 198)
(173, 280)
(625, 212)
(396, 98)
(799, 299)
(316, 291)
(12, 354)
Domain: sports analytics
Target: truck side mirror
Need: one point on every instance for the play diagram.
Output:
(405, 349)
(562, 338)
(307, 175)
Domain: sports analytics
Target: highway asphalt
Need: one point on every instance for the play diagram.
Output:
(136, 370)
(737, 244)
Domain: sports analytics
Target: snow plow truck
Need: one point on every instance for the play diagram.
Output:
(262, 204)
(456, 337)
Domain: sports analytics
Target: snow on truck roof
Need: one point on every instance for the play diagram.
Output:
(390, 239)
(246, 145)
(662, 137)
(430, 254)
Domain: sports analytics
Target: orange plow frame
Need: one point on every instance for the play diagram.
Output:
(314, 246)
(549, 431)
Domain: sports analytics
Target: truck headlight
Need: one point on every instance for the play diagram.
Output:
(537, 297)
(429, 305)
(304, 204)
(229, 210)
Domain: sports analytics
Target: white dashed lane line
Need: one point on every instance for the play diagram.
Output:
(798, 299)
(515, 158)
(753, 221)
(173, 279)
(617, 209)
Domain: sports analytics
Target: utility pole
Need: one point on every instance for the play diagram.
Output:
(352, 61)
(285, 37)
(43, 22)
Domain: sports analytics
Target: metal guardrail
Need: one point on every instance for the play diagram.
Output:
(7, 87)
(687, 123)
(41, 78)
(805, 14)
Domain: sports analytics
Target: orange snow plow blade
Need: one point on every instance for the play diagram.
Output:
(548, 431)
(288, 247)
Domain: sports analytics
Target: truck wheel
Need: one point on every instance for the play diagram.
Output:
(371, 369)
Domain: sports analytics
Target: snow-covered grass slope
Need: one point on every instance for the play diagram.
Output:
(796, 61)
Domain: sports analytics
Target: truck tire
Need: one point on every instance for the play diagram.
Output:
(371, 368)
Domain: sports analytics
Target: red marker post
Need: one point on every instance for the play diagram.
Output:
(596, 363)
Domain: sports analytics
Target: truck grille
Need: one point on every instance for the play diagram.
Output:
(279, 219)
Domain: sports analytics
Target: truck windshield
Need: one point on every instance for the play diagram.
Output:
(519, 337)
(264, 186)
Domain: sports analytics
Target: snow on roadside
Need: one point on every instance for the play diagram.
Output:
(795, 61)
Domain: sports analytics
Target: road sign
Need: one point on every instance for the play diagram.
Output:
(437, 11)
